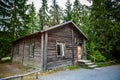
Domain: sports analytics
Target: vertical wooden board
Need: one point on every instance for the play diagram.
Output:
(45, 50)
(42, 49)
(84, 50)
(73, 47)
(23, 52)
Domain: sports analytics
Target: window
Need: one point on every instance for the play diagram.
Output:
(31, 53)
(60, 49)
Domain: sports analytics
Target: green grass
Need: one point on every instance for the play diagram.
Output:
(6, 58)
(107, 63)
(72, 67)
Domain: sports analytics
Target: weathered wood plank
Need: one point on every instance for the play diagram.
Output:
(42, 50)
(23, 52)
(58, 64)
(45, 51)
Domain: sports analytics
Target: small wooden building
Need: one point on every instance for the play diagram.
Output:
(53, 47)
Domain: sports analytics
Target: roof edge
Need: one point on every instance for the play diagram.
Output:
(52, 27)
(79, 30)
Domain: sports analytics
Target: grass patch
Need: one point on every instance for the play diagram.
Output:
(51, 71)
(72, 67)
(6, 58)
(107, 63)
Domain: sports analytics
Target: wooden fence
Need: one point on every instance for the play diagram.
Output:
(21, 76)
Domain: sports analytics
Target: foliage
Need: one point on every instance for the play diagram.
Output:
(5, 42)
(33, 21)
(98, 57)
(68, 11)
(19, 19)
(6, 7)
(13, 24)
(55, 13)
(106, 22)
(76, 14)
(107, 63)
(43, 14)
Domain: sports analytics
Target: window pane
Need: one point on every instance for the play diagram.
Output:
(58, 49)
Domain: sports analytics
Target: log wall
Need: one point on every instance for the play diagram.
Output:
(62, 35)
(45, 48)
(23, 56)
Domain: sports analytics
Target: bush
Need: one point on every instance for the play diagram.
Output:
(107, 63)
(98, 57)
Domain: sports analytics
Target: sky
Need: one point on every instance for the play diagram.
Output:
(61, 3)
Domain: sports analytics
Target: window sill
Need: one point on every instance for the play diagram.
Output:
(62, 57)
(31, 56)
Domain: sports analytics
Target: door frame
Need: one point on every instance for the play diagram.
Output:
(79, 53)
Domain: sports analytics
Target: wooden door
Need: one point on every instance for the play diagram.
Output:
(79, 51)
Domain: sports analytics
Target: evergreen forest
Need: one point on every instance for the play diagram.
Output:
(100, 22)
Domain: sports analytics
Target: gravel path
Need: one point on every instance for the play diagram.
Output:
(105, 73)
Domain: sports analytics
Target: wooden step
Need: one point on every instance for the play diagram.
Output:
(87, 63)
(92, 66)
(84, 61)
(90, 63)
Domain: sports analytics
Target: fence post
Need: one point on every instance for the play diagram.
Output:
(36, 75)
(21, 77)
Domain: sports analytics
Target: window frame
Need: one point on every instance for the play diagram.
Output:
(62, 48)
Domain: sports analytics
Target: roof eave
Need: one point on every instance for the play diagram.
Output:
(79, 30)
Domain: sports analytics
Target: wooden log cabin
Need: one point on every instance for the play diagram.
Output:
(53, 47)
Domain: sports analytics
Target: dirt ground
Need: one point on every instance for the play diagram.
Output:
(9, 69)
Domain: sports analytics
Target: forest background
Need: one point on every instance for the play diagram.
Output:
(100, 22)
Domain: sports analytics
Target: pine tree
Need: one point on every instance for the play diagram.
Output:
(19, 19)
(43, 14)
(106, 21)
(55, 13)
(6, 8)
(68, 11)
(33, 27)
(76, 14)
